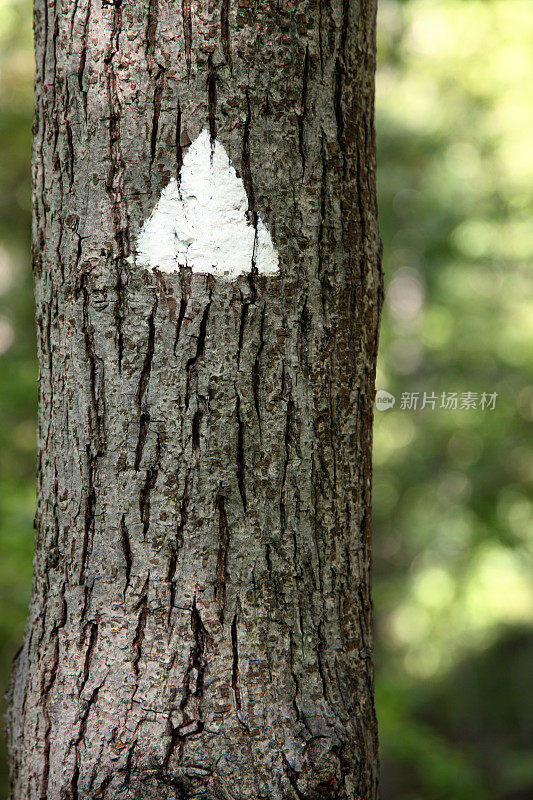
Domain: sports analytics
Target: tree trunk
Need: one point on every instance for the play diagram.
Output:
(200, 625)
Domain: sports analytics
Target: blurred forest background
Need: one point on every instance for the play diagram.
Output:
(453, 587)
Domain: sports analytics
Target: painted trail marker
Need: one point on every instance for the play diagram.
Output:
(202, 222)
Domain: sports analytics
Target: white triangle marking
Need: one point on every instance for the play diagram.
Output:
(202, 222)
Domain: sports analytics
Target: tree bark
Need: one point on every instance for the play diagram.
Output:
(200, 624)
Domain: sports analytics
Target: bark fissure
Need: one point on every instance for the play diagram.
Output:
(225, 35)
(200, 348)
(339, 114)
(179, 149)
(303, 114)
(183, 302)
(120, 313)
(115, 177)
(321, 266)
(144, 415)
(83, 59)
(158, 92)
(193, 682)
(246, 166)
(93, 638)
(240, 452)
(287, 446)
(151, 29)
(222, 560)
(126, 549)
(187, 32)
(256, 371)
(144, 498)
(142, 608)
(195, 433)
(89, 515)
(235, 663)
(212, 101)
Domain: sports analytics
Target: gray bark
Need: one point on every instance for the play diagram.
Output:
(200, 624)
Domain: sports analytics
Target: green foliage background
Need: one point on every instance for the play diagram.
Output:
(453, 506)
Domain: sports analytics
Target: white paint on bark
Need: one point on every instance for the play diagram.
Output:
(202, 221)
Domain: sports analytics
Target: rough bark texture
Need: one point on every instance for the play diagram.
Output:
(200, 625)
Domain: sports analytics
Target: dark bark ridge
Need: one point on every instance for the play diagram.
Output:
(200, 624)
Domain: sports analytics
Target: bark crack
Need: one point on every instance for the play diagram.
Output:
(235, 664)
(247, 176)
(144, 498)
(212, 100)
(241, 462)
(142, 608)
(183, 301)
(321, 269)
(287, 444)
(83, 59)
(225, 31)
(179, 149)
(144, 378)
(193, 682)
(115, 178)
(195, 432)
(89, 514)
(126, 549)
(187, 32)
(93, 638)
(158, 92)
(200, 348)
(151, 28)
(222, 560)
(302, 116)
(120, 312)
(338, 78)
(256, 371)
